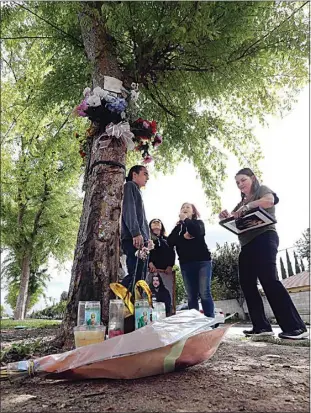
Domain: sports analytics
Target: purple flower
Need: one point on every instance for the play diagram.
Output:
(117, 105)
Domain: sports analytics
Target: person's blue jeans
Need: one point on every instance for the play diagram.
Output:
(197, 277)
(136, 268)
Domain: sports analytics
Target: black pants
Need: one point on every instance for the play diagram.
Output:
(257, 260)
(136, 267)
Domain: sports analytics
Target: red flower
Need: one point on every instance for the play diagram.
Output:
(153, 125)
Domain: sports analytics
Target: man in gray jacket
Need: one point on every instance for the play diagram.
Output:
(134, 227)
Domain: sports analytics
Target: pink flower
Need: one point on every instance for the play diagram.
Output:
(79, 110)
(157, 140)
(147, 159)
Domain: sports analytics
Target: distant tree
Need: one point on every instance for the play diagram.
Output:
(2, 311)
(283, 270)
(63, 296)
(179, 286)
(303, 245)
(302, 266)
(297, 268)
(289, 265)
(226, 271)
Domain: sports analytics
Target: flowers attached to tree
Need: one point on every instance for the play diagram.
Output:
(111, 111)
(145, 132)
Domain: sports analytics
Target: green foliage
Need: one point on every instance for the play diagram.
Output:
(290, 271)
(208, 70)
(283, 270)
(179, 287)
(225, 271)
(303, 245)
(54, 312)
(20, 351)
(63, 296)
(41, 167)
(2, 311)
(11, 272)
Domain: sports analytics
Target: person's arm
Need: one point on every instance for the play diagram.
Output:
(172, 238)
(195, 227)
(266, 200)
(129, 213)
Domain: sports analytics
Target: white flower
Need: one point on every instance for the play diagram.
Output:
(134, 86)
(122, 115)
(108, 98)
(98, 91)
(93, 101)
(134, 95)
(86, 92)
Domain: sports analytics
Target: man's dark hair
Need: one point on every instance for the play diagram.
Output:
(136, 169)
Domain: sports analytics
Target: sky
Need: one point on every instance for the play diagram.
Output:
(285, 169)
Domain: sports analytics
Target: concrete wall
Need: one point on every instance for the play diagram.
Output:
(300, 299)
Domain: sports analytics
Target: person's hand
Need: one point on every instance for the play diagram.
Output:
(182, 216)
(187, 235)
(150, 244)
(138, 241)
(224, 214)
(240, 212)
(152, 268)
(168, 270)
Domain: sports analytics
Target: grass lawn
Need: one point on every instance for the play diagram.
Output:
(30, 323)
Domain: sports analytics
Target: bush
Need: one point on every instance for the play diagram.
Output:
(54, 312)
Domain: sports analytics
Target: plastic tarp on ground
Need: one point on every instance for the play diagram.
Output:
(176, 342)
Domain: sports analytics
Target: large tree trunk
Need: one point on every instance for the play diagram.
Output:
(27, 304)
(23, 289)
(96, 261)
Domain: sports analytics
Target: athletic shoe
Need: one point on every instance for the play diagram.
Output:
(256, 333)
(295, 335)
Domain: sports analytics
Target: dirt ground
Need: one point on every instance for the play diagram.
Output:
(243, 375)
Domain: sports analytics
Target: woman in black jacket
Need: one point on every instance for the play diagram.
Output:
(162, 257)
(194, 257)
(161, 293)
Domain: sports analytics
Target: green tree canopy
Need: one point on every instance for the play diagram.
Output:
(40, 172)
(207, 70)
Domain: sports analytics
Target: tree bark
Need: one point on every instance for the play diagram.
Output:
(23, 289)
(27, 303)
(96, 261)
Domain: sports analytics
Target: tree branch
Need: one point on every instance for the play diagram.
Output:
(244, 54)
(160, 104)
(52, 25)
(31, 37)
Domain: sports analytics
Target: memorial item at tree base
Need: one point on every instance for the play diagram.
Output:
(174, 343)
(116, 318)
